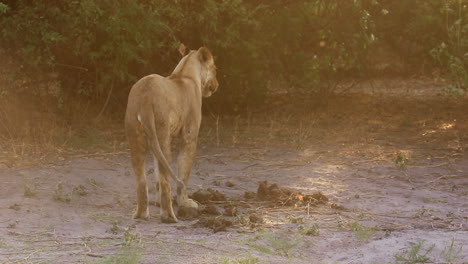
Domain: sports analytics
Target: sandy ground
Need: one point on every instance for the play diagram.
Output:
(395, 173)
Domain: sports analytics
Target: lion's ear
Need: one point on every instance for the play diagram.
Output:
(204, 54)
(182, 49)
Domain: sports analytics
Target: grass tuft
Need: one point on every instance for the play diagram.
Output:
(129, 253)
(29, 191)
(362, 233)
(59, 194)
(312, 230)
(414, 253)
(244, 260)
(451, 253)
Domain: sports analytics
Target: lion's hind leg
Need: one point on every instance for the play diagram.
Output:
(138, 155)
(157, 187)
(167, 211)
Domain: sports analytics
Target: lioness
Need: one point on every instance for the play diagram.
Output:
(160, 108)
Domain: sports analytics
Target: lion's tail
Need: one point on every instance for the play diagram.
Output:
(150, 129)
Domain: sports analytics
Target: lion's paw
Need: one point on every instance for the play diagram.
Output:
(141, 215)
(189, 203)
(187, 212)
(168, 219)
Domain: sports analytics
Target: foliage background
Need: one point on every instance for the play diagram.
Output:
(96, 49)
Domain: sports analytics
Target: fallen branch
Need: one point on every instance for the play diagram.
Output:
(431, 166)
(440, 178)
(28, 256)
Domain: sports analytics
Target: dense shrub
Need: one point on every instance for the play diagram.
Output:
(98, 45)
(230, 29)
(427, 33)
(93, 45)
(452, 52)
(99, 48)
(308, 41)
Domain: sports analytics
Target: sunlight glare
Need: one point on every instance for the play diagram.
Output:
(446, 126)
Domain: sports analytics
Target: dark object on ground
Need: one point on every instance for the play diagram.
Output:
(203, 196)
(272, 192)
(210, 209)
(337, 207)
(230, 184)
(255, 218)
(315, 198)
(230, 210)
(217, 224)
(250, 195)
(187, 213)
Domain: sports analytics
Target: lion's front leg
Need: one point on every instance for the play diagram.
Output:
(167, 212)
(187, 207)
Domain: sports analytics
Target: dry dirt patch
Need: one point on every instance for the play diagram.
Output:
(218, 212)
(397, 166)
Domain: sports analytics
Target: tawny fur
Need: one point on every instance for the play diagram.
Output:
(159, 109)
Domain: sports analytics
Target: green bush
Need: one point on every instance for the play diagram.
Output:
(3, 8)
(411, 28)
(230, 29)
(452, 52)
(308, 41)
(427, 34)
(98, 45)
(93, 45)
(99, 48)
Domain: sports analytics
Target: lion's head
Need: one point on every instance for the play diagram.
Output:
(209, 82)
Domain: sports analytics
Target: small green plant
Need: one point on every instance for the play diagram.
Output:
(245, 260)
(4, 245)
(414, 254)
(270, 243)
(282, 244)
(59, 194)
(29, 191)
(451, 253)
(3, 8)
(361, 215)
(115, 228)
(225, 261)
(401, 161)
(94, 182)
(49, 228)
(313, 230)
(104, 217)
(80, 190)
(15, 207)
(423, 211)
(131, 238)
(217, 182)
(362, 232)
(433, 200)
(129, 253)
(260, 247)
(296, 219)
